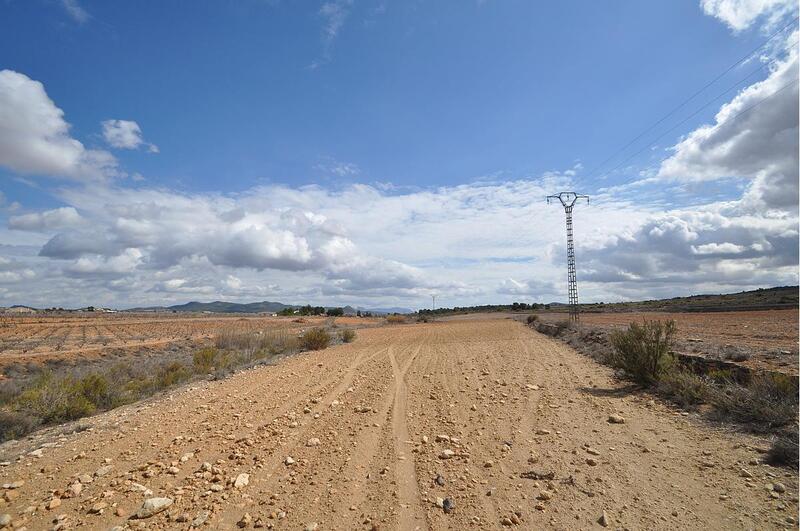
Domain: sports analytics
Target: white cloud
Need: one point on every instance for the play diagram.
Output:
(527, 288)
(340, 169)
(125, 134)
(470, 244)
(334, 13)
(124, 263)
(741, 14)
(58, 218)
(34, 138)
(74, 9)
(755, 136)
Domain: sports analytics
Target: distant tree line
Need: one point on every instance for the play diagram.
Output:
(514, 307)
(312, 310)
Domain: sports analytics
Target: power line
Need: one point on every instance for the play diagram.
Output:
(784, 87)
(690, 98)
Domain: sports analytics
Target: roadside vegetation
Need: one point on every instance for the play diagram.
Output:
(767, 403)
(56, 396)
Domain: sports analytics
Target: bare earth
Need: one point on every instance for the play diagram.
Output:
(770, 337)
(371, 405)
(77, 337)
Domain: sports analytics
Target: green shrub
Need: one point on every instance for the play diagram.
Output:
(204, 360)
(315, 339)
(95, 388)
(171, 374)
(684, 388)
(55, 399)
(348, 335)
(643, 351)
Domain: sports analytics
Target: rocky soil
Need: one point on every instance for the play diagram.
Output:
(479, 424)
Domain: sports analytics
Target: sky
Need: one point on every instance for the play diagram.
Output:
(377, 153)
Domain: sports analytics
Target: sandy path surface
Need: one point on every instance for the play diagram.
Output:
(353, 438)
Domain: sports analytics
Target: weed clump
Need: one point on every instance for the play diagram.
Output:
(395, 319)
(532, 319)
(768, 401)
(784, 450)
(348, 335)
(315, 339)
(643, 351)
(684, 388)
(204, 360)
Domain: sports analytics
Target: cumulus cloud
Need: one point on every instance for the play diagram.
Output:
(58, 218)
(94, 266)
(714, 244)
(741, 14)
(755, 136)
(125, 134)
(149, 233)
(748, 242)
(35, 139)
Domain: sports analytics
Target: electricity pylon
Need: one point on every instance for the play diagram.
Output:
(568, 200)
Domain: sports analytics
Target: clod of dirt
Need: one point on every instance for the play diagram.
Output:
(616, 419)
(448, 505)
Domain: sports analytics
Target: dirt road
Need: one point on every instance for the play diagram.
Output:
(355, 436)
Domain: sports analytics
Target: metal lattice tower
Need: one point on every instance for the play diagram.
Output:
(568, 200)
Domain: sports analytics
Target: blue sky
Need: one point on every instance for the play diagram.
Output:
(448, 105)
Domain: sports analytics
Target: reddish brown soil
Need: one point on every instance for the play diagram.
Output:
(770, 337)
(40, 338)
(516, 425)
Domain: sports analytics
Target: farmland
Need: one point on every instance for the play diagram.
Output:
(72, 338)
(768, 339)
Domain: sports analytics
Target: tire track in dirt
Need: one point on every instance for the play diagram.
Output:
(412, 515)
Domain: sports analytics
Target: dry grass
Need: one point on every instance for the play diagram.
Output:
(53, 397)
(395, 319)
(769, 401)
(315, 339)
(348, 335)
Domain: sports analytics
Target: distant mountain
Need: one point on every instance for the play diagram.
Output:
(221, 307)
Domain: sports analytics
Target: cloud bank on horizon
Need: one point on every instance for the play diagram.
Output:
(113, 239)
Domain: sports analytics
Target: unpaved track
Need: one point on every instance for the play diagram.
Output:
(370, 403)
